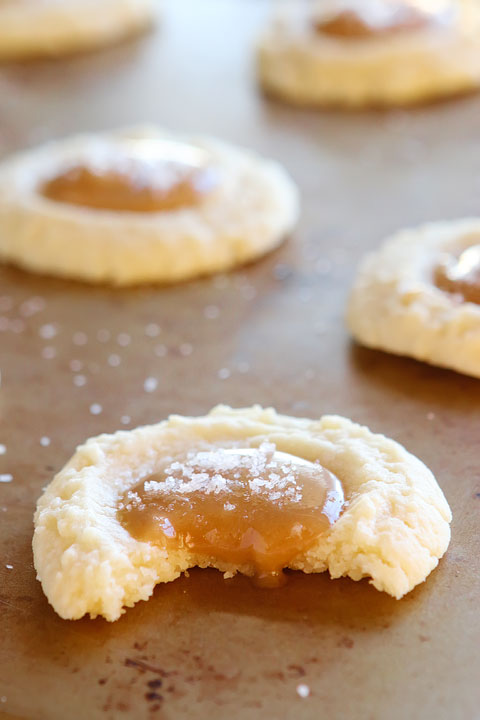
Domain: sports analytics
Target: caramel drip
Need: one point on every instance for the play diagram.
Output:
(126, 181)
(371, 19)
(255, 509)
(460, 275)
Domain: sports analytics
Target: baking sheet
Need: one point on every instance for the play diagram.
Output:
(270, 333)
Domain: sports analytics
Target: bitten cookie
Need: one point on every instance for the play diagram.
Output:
(36, 28)
(370, 52)
(245, 491)
(141, 206)
(419, 295)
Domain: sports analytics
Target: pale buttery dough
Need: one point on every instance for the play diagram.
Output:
(393, 528)
(36, 28)
(249, 211)
(303, 64)
(398, 305)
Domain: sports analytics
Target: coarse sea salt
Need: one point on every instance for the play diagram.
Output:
(49, 352)
(32, 306)
(114, 360)
(150, 384)
(211, 472)
(123, 339)
(152, 330)
(80, 338)
(48, 331)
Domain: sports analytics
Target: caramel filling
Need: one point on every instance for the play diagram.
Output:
(460, 275)
(256, 508)
(371, 18)
(139, 176)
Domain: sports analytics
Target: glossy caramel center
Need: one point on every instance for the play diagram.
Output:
(257, 508)
(460, 274)
(370, 18)
(144, 177)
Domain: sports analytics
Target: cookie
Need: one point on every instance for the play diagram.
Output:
(419, 295)
(140, 507)
(141, 206)
(48, 28)
(371, 52)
